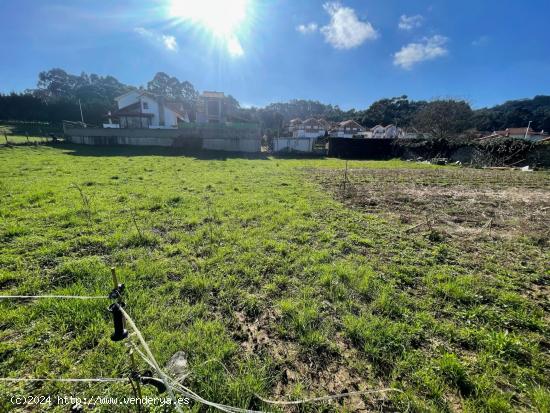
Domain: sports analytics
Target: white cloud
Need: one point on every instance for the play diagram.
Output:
(430, 48)
(166, 41)
(345, 30)
(170, 42)
(307, 28)
(142, 31)
(410, 22)
(481, 41)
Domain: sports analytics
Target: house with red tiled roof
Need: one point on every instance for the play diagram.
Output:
(347, 129)
(519, 133)
(309, 128)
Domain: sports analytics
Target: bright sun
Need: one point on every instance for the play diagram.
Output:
(222, 18)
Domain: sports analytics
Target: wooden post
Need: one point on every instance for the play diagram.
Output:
(6, 137)
(345, 179)
(115, 280)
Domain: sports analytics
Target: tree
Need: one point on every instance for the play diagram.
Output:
(174, 90)
(55, 83)
(444, 119)
(398, 111)
(515, 114)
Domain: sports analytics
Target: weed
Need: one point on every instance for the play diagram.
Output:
(85, 202)
(335, 288)
(454, 372)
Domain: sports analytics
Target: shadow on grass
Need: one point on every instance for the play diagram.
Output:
(129, 151)
(123, 150)
(297, 155)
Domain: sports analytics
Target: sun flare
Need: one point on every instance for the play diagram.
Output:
(221, 18)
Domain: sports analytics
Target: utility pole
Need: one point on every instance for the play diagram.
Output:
(527, 130)
(81, 115)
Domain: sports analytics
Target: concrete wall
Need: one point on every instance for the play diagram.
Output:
(220, 137)
(293, 144)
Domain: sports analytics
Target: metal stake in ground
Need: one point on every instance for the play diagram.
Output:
(118, 321)
(132, 379)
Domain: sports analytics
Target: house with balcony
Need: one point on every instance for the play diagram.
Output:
(139, 109)
(347, 129)
(302, 135)
(309, 128)
(211, 108)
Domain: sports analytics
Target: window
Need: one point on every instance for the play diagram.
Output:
(145, 105)
(213, 108)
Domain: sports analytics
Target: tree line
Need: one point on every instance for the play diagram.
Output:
(58, 93)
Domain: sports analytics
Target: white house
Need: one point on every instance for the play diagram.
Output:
(309, 128)
(378, 132)
(294, 124)
(386, 132)
(141, 109)
(303, 135)
(291, 144)
(347, 129)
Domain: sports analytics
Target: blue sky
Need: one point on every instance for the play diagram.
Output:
(349, 53)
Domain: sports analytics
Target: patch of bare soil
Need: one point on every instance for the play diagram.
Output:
(457, 201)
(321, 376)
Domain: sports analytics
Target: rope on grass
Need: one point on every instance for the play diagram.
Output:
(151, 358)
(328, 397)
(91, 380)
(314, 399)
(189, 393)
(75, 297)
(171, 383)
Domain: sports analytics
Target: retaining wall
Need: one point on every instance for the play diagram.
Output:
(219, 137)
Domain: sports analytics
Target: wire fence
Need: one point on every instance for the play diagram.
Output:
(173, 385)
(71, 297)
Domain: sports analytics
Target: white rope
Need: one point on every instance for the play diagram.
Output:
(179, 387)
(152, 358)
(194, 396)
(169, 382)
(97, 379)
(329, 397)
(77, 297)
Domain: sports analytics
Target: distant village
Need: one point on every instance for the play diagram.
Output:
(301, 135)
(169, 124)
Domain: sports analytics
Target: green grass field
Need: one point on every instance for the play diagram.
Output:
(274, 281)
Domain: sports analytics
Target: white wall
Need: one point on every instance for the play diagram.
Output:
(170, 117)
(293, 144)
(305, 133)
(128, 99)
(341, 134)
